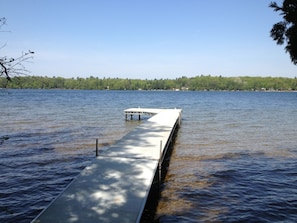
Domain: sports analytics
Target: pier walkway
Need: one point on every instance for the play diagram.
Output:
(115, 187)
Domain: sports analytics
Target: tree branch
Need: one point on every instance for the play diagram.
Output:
(14, 66)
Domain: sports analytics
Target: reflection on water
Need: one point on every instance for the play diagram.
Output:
(234, 158)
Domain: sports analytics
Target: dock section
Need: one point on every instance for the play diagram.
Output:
(115, 187)
(141, 111)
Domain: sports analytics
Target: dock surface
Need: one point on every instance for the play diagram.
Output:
(115, 187)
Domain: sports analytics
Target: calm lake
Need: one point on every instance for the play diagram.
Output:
(234, 158)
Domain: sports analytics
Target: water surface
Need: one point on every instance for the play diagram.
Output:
(234, 157)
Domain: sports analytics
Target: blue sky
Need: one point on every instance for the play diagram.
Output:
(145, 39)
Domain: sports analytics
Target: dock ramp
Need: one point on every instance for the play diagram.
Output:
(115, 186)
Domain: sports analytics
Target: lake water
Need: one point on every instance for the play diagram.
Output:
(234, 158)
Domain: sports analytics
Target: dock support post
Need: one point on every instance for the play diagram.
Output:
(139, 116)
(160, 165)
(97, 153)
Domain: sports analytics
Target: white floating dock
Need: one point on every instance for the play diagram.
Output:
(115, 187)
(141, 111)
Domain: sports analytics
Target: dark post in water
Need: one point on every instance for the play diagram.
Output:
(97, 153)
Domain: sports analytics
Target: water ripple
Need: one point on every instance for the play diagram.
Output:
(234, 159)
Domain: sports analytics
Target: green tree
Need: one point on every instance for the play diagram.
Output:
(286, 31)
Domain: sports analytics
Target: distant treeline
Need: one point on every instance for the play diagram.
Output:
(197, 83)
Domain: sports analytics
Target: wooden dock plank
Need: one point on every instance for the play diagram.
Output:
(114, 188)
(109, 190)
(142, 142)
